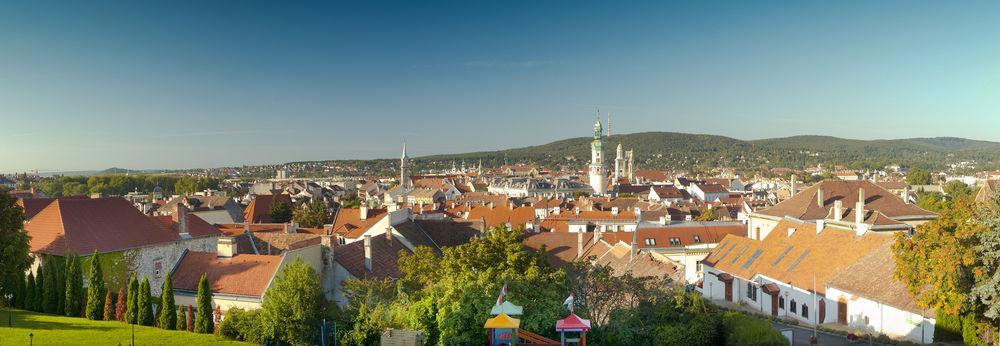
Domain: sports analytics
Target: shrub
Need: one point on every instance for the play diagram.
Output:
(244, 325)
(181, 318)
(29, 293)
(293, 303)
(109, 306)
(190, 319)
(39, 290)
(971, 330)
(50, 302)
(947, 327)
(741, 329)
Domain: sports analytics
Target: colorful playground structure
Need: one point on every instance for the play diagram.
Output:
(504, 330)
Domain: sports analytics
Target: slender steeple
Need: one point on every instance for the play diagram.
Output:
(404, 169)
(597, 172)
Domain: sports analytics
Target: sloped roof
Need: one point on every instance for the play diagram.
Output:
(989, 188)
(279, 242)
(101, 224)
(794, 259)
(205, 203)
(640, 264)
(196, 226)
(804, 206)
(32, 206)
(562, 247)
(349, 222)
(385, 257)
(243, 274)
(871, 277)
(259, 209)
(707, 233)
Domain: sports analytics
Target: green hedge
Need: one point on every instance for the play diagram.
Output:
(741, 329)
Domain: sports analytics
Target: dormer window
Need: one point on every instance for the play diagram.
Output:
(650, 242)
(675, 241)
(697, 239)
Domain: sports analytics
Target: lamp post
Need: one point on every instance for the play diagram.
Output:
(785, 307)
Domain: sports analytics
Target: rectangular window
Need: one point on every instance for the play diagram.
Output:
(781, 302)
(792, 309)
(805, 311)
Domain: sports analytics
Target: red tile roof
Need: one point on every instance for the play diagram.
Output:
(707, 234)
(243, 274)
(101, 224)
(385, 257)
(349, 222)
(197, 227)
(32, 206)
(259, 209)
(804, 204)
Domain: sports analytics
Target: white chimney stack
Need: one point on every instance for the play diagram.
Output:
(226, 247)
(859, 208)
(368, 252)
(819, 196)
(838, 210)
(614, 211)
(579, 245)
(363, 212)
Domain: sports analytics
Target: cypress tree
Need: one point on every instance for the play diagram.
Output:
(49, 304)
(181, 318)
(145, 305)
(95, 289)
(39, 289)
(168, 317)
(74, 286)
(120, 306)
(29, 293)
(203, 320)
(190, 319)
(132, 308)
(19, 290)
(109, 306)
(60, 290)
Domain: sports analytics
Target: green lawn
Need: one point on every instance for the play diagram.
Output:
(60, 330)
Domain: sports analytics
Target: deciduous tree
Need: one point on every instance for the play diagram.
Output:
(313, 215)
(292, 303)
(281, 211)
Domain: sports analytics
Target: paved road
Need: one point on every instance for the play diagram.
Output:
(800, 336)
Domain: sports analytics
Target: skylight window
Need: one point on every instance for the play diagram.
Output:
(798, 260)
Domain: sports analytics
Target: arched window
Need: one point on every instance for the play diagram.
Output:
(805, 311)
(792, 306)
(781, 302)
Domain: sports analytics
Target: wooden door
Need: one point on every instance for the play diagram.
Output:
(774, 304)
(729, 290)
(822, 311)
(842, 310)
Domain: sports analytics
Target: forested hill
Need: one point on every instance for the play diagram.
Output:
(669, 150)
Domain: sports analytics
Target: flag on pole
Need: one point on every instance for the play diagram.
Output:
(503, 292)
(569, 302)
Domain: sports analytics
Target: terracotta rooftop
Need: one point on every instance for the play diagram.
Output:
(676, 236)
(101, 224)
(797, 258)
(651, 175)
(871, 277)
(804, 206)
(385, 257)
(32, 206)
(259, 209)
(243, 274)
(562, 247)
(350, 225)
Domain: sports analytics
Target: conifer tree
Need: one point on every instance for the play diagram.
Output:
(181, 318)
(29, 293)
(120, 306)
(168, 317)
(60, 269)
(109, 306)
(49, 303)
(20, 290)
(74, 286)
(190, 319)
(145, 305)
(132, 309)
(39, 289)
(203, 321)
(95, 289)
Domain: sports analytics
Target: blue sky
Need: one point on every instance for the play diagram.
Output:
(90, 85)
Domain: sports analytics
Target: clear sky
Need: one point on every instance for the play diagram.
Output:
(89, 85)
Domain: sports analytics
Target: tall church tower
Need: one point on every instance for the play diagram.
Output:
(404, 170)
(598, 177)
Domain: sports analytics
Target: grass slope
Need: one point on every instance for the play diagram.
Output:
(61, 330)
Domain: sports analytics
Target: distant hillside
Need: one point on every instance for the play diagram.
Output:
(668, 150)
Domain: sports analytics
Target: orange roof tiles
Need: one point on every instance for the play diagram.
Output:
(804, 206)
(349, 222)
(243, 274)
(259, 209)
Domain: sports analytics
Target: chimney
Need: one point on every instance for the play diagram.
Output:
(791, 230)
(614, 211)
(792, 185)
(634, 247)
(576, 210)
(579, 245)
(491, 205)
(368, 253)
(598, 235)
(363, 213)
(226, 248)
(838, 210)
(180, 217)
(388, 233)
(819, 196)
(906, 194)
(859, 208)
(556, 210)
(511, 205)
